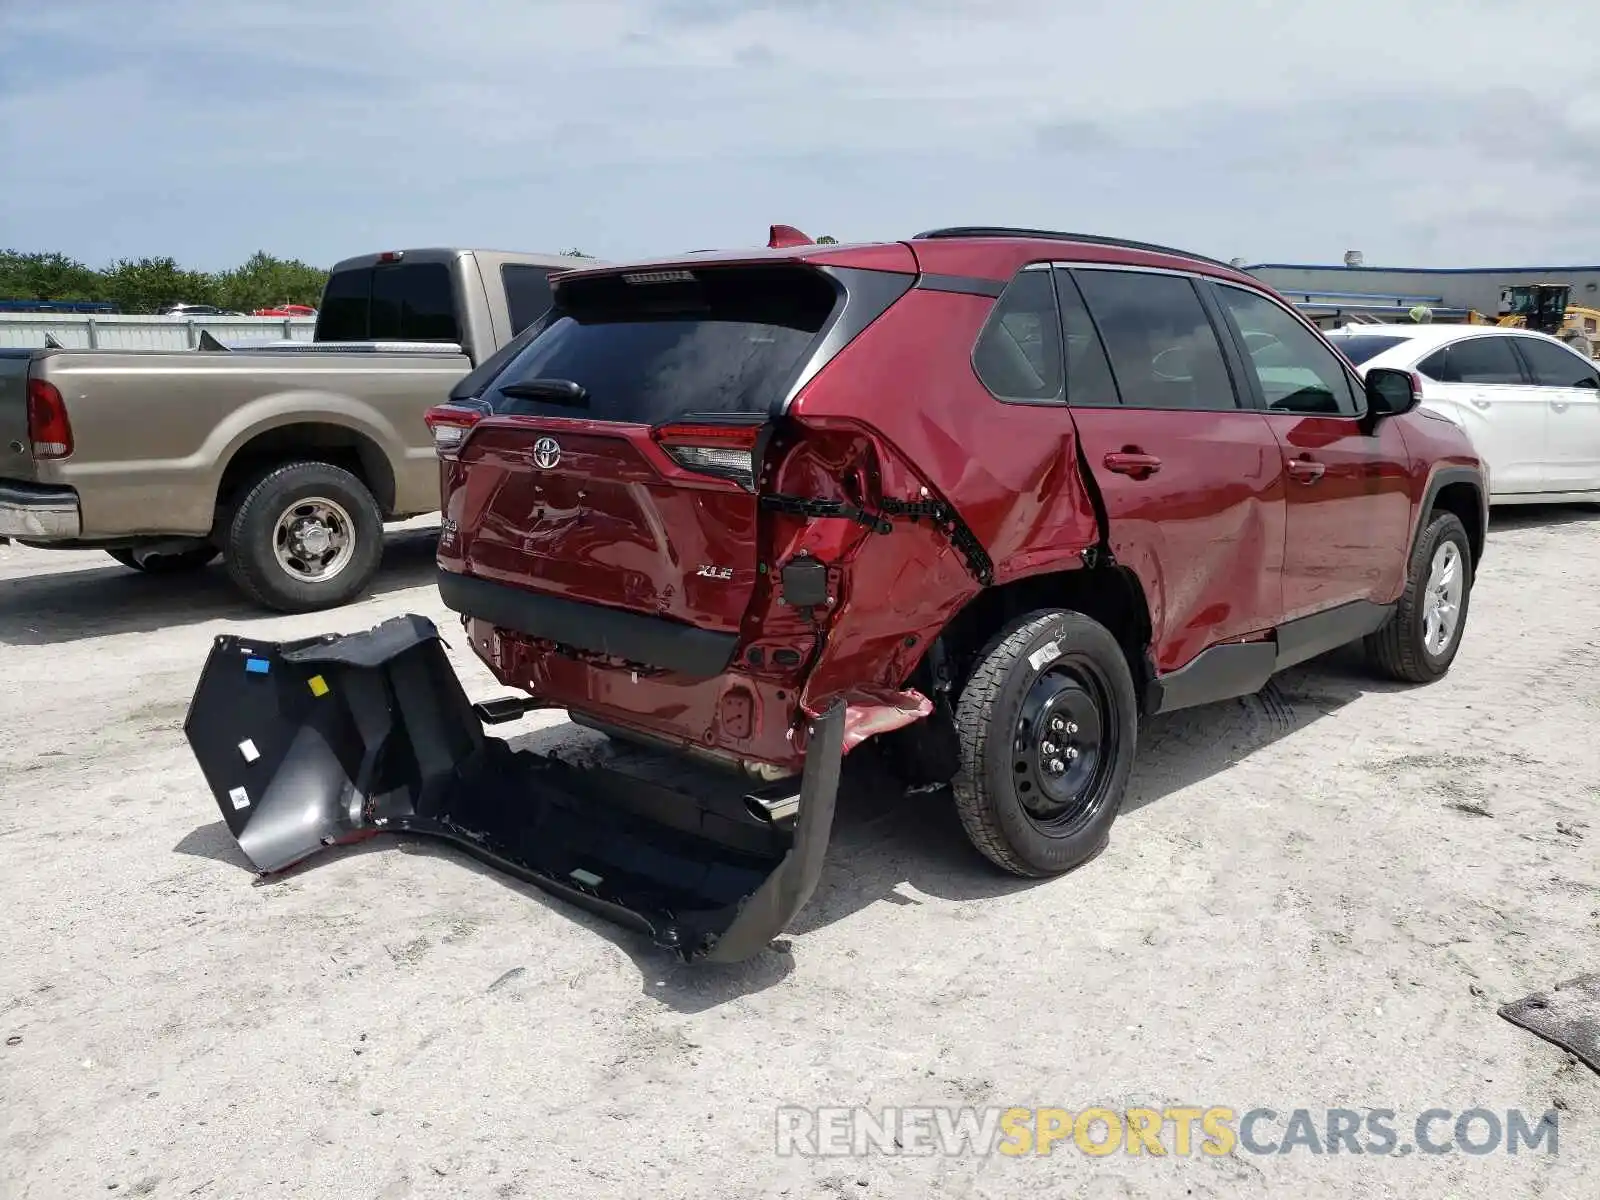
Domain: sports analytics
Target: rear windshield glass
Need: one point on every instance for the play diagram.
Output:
(410, 302)
(1358, 347)
(722, 340)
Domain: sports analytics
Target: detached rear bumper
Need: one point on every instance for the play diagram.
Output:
(329, 740)
(36, 512)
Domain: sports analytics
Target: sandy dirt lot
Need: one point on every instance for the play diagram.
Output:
(1314, 898)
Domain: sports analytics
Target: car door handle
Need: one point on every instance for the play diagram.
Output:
(1480, 402)
(1307, 470)
(1559, 405)
(1132, 462)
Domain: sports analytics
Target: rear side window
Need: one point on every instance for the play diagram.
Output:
(1436, 365)
(527, 291)
(1554, 367)
(673, 344)
(1482, 360)
(406, 302)
(1358, 347)
(1297, 373)
(1163, 349)
(1018, 354)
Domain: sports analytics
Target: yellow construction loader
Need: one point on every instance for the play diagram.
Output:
(1544, 307)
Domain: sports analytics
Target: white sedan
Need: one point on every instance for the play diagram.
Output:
(1529, 402)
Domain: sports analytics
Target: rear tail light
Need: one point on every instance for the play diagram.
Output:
(725, 451)
(449, 424)
(48, 427)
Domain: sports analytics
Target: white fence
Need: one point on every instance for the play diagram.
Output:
(79, 332)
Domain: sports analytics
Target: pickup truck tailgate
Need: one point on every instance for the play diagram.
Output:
(16, 455)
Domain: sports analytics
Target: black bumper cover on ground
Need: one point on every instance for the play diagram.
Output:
(327, 740)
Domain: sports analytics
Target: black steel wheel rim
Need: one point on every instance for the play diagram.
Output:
(1064, 746)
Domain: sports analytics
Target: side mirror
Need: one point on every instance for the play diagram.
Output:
(1391, 393)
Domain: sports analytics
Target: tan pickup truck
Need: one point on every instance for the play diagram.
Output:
(284, 459)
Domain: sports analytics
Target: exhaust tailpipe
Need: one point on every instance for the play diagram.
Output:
(773, 808)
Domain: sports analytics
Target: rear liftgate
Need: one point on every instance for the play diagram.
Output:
(331, 740)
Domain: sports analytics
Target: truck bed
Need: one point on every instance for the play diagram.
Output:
(154, 431)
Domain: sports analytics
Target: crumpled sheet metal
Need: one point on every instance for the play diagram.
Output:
(870, 712)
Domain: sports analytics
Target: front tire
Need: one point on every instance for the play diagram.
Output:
(1048, 725)
(305, 536)
(1421, 638)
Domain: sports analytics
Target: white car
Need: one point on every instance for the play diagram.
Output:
(1530, 403)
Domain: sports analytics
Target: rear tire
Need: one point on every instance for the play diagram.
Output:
(1048, 724)
(1409, 647)
(304, 536)
(166, 564)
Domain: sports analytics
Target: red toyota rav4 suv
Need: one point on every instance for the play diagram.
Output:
(986, 496)
(995, 493)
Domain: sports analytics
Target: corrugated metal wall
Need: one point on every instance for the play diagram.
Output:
(146, 333)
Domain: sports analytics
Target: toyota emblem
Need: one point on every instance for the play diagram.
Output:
(546, 453)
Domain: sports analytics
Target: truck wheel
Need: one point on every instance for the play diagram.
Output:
(1420, 640)
(305, 536)
(166, 564)
(1048, 725)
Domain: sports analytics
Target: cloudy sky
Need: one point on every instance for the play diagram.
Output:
(1459, 132)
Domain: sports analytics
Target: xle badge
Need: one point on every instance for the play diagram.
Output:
(709, 572)
(546, 453)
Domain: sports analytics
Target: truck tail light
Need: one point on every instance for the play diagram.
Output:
(449, 424)
(48, 427)
(725, 451)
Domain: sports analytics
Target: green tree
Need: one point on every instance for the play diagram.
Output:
(266, 282)
(827, 240)
(574, 252)
(46, 277)
(144, 285)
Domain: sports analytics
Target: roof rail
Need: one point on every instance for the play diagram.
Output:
(1092, 239)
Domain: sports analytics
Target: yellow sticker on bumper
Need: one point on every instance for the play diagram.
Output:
(318, 685)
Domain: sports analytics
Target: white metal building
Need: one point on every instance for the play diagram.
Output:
(1387, 292)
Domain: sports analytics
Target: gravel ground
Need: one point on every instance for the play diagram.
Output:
(1315, 898)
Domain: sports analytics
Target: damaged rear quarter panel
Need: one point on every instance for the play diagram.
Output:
(1008, 470)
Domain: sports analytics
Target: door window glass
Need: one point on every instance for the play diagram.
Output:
(1163, 350)
(1481, 360)
(1298, 374)
(1554, 367)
